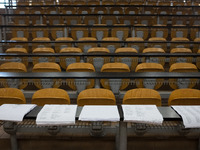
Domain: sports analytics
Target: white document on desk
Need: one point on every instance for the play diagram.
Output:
(15, 112)
(57, 115)
(190, 115)
(148, 114)
(99, 113)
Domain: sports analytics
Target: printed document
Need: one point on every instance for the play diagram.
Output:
(190, 115)
(15, 112)
(57, 115)
(148, 114)
(99, 113)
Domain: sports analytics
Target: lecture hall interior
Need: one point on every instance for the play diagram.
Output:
(116, 54)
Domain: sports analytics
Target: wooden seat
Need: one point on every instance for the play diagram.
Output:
(11, 96)
(184, 97)
(87, 45)
(98, 61)
(160, 60)
(142, 96)
(46, 67)
(134, 43)
(120, 32)
(14, 67)
(50, 96)
(16, 50)
(79, 32)
(149, 83)
(182, 82)
(111, 46)
(65, 61)
(198, 60)
(130, 61)
(99, 32)
(180, 59)
(115, 84)
(95, 97)
(44, 50)
(80, 84)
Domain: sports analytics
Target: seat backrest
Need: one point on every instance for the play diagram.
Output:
(142, 96)
(99, 32)
(115, 84)
(80, 84)
(120, 32)
(182, 82)
(65, 61)
(87, 45)
(184, 97)
(11, 96)
(50, 96)
(46, 67)
(151, 83)
(111, 46)
(95, 97)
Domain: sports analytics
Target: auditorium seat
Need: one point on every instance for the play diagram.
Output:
(135, 43)
(65, 2)
(13, 67)
(95, 97)
(99, 32)
(11, 96)
(151, 83)
(90, 20)
(80, 84)
(116, 10)
(79, 32)
(68, 10)
(198, 60)
(93, 2)
(89, 43)
(46, 67)
(180, 59)
(142, 96)
(44, 50)
(100, 10)
(131, 10)
(39, 19)
(115, 84)
(50, 96)
(181, 83)
(141, 33)
(67, 60)
(73, 20)
(111, 46)
(127, 20)
(184, 97)
(129, 60)
(109, 20)
(16, 50)
(20, 34)
(160, 60)
(120, 32)
(98, 61)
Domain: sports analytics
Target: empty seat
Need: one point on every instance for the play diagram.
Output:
(131, 10)
(39, 19)
(67, 60)
(80, 84)
(98, 61)
(134, 42)
(160, 60)
(87, 44)
(11, 96)
(13, 67)
(115, 84)
(50, 96)
(90, 20)
(20, 34)
(142, 96)
(44, 50)
(73, 20)
(181, 83)
(129, 60)
(46, 67)
(99, 32)
(96, 97)
(180, 59)
(150, 83)
(184, 97)
(109, 20)
(111, 46)
(16, 50)
(79, 32)
(120, 32)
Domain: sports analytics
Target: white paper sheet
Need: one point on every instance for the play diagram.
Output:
(190, 115)
(15, 112)
(148, 114)
(57, 115)
(99, 113)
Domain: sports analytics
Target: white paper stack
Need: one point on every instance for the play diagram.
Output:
(15, 112)
(190, 115)
(99, 113)
(148, 114)
(57, 115)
